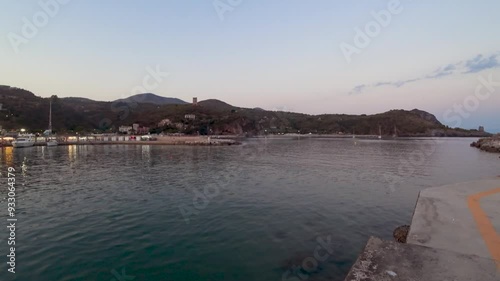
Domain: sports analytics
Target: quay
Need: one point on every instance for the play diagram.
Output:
(129, 140)
(454, 235)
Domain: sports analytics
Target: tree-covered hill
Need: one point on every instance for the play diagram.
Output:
(23, 109)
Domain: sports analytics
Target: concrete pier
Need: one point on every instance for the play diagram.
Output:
(454, 235)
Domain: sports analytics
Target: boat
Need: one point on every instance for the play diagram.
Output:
(52, 143)
(48, 132)
(24, 140)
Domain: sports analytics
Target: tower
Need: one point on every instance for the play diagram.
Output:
(195, 101)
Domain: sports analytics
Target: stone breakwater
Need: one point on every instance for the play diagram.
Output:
(488, 144)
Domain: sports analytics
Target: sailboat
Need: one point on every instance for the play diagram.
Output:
(50, 141)
(379, 132)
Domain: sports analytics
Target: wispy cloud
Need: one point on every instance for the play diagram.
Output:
(474, 65)
(480, 63)
(359, 88)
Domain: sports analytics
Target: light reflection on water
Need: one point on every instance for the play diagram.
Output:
(87, 210)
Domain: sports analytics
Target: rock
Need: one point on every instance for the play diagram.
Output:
(401, 233)
(491, 144)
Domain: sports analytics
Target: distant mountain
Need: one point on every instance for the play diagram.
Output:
(151, 98)
(78, 100)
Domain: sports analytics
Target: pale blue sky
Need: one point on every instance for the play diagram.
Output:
(271, 54)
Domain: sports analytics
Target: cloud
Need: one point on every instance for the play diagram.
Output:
(358, 89)
(480, 63)
(402, 83)
(474, 65)
(382, 84)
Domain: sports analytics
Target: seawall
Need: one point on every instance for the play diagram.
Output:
(454, 235)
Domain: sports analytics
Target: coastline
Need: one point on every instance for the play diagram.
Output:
(491, 144)
(125, 140)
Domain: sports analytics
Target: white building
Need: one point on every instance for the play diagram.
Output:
(125, 129)
(190, 116)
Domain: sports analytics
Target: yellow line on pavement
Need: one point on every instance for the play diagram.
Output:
(485, 225)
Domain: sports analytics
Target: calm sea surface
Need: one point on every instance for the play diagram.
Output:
(249, 212)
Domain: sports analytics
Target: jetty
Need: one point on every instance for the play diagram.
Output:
(454, 235)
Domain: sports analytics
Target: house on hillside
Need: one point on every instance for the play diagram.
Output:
(142, 130)
(125, 129)
(190, 116)
(164, 122)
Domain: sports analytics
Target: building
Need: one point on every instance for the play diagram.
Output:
(164, 122)
(481, 129)
(135, 127)
(142, 130)
(195, 101)
(190, 116)
(125, 129)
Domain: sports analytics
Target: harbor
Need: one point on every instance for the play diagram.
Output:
(123, 139)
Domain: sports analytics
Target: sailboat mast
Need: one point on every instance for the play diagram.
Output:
(50, 116)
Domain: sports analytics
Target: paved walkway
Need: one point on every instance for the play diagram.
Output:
(454, 235)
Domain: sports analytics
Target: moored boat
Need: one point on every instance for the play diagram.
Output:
(50, 141)
(26, 140)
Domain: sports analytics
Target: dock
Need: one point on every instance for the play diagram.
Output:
(454, 235)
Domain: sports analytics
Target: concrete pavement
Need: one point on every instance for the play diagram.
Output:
(454, 235)
(456, 217)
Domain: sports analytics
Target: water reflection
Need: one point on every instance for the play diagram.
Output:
(72, 152)
(24, 167)
(267, 200)
(146, 153)
(9, 156)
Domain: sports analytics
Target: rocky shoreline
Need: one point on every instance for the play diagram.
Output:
(491, 144)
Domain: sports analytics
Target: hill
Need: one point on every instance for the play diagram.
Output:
(215, 104)
(151, 98)
(23, 109)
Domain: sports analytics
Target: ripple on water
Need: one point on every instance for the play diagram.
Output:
(88, 210)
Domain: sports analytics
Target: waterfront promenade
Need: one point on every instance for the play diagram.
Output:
(131, 140)
(454, 235)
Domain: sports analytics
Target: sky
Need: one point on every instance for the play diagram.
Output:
(312, 57)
